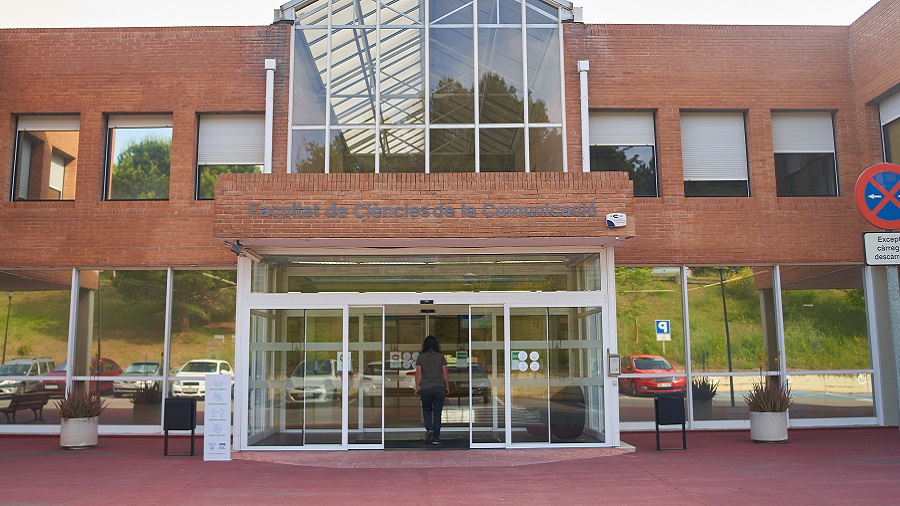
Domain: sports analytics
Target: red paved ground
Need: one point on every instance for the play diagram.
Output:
(834, 466)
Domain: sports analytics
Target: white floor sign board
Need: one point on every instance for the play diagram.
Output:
(217, 418)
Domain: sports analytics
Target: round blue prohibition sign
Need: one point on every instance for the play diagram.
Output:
(878, 195)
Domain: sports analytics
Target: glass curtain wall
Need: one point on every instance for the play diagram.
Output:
(397, 86)
(734, 339)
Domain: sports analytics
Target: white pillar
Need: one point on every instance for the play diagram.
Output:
(583, 67)
(270, 113)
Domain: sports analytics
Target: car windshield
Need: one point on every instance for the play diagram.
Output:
(657, 363)
(142, 368)
(199, 367)
(14, 369)
(372, 370)
(313, 368)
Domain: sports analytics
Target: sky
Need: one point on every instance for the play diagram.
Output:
(109, 13)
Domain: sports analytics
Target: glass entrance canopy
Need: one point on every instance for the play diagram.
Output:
(399, 86)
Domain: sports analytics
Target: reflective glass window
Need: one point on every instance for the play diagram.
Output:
(502, 149)
(403, 150)
(492, 12)
(891, 136)
(402, 12)
(309, 75)
(46, 162)
(139, 158)
(544, 80)
(402, 77)
(308, 151)
(452, 76)
(353, 12)
(546, 150)
(500, 80)
(453, 150)
(352, 151)
(451, 12)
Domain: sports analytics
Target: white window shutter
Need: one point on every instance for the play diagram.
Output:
(622, 129)
(713, 147)
(62, 123)
(231, 139)
(802, 132)
(889, 109)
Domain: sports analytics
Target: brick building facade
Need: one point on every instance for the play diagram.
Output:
(666, 70)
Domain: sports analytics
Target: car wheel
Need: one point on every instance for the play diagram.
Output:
(117, 395)
(20, 389)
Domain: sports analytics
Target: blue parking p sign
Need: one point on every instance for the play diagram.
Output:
(663, 330)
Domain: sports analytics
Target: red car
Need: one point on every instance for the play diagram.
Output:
(650, 364)
(58, 387)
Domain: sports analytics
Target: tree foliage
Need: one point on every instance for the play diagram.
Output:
(198, 297)
(141, 170)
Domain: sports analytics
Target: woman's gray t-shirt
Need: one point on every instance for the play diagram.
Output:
(432, 374)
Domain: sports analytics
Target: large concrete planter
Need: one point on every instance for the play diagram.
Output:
(78, 433)
(769, 427)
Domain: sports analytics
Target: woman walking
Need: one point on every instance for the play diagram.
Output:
(432, 387)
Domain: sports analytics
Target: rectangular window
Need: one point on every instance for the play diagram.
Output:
(804, 154)
(890, 128)
(714, 154)
(46, 163)
(139, 149)
(228, 144)
(626, 141)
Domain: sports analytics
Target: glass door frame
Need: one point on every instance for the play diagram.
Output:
(247, 301)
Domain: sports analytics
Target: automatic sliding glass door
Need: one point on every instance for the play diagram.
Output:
(556, 377)
(365, 411)
(486, 377)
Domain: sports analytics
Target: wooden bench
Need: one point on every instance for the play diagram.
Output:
(34, 401)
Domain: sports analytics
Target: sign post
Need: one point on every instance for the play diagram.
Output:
(663, 333)
(217, 417)
(877, 191)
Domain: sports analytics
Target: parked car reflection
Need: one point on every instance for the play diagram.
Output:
(193, 369)
(650, 364)
(103, 367)
(127, 387)
(459, 382)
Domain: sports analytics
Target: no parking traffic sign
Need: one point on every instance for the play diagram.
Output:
(877, 196)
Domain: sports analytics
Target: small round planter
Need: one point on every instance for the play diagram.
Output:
(78, 433)
(769, 427)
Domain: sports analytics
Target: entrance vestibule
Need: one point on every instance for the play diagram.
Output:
(336, 370)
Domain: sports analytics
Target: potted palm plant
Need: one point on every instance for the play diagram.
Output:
(79, 413)
(703, 390)
(147, 402)
(769, 400)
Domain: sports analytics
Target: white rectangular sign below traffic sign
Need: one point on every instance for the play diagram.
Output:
(882, 248)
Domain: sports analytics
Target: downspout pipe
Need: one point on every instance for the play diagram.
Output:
(270, 114)
(583, 67)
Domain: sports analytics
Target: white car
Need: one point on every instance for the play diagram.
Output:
(23, 367)
(396, 379)
(196, 369)
(316, 381)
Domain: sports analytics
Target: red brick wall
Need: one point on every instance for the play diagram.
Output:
(96, 72)
(611, 192)
(875, 43)
(187, 71)
(754, 69)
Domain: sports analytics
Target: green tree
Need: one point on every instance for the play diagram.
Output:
(209, 176)
(141, 170)
(631, 289)
(198, 296)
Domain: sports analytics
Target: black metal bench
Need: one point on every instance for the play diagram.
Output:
(33, 401)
